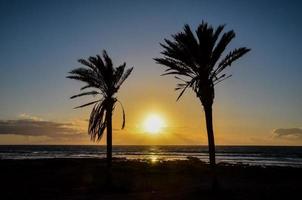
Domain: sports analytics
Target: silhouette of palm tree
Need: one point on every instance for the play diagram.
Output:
(105, 80)
(197, 63)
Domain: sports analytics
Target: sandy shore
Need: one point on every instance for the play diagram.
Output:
(86, 179)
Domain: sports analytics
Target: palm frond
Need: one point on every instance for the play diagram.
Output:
(185, 86)
(222, 78)
(176, 50)
(88, 64)
(230, 58)
(181, 93)
(97, 120)
(174, 67)
(84, 94)
(124, 77)
(221, 46)
(107, 61)
(124, 116)
(216, 35)
(85, 87)
(94, 61)
(87, 104)
(119, 72)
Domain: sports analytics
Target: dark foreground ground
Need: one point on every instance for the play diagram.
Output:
(86, 179)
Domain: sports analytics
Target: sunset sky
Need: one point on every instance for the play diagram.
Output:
(40, 42)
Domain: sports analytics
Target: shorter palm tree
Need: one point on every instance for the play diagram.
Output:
(103, 79)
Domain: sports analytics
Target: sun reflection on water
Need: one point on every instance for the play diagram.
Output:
(153, 159)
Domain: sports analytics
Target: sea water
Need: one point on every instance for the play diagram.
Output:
(250, 155)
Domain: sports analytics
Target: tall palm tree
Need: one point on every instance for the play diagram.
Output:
(103, 79)
(196, 61)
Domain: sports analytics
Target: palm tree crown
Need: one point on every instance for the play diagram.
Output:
(198, 58)
(105, 80)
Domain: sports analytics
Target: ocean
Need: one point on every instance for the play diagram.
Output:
(250, 155)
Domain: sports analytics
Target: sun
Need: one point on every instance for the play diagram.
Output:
(153, 124)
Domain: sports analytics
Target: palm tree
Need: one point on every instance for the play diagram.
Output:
(196, 61)
(103, 79)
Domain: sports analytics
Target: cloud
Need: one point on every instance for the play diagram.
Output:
(289, 133)
(38, 127)
(27, 116)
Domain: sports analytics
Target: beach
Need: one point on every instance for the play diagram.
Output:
(184, 179)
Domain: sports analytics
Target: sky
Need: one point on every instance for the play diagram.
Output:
(41, 41)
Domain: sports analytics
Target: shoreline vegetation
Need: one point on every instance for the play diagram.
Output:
(85, 178)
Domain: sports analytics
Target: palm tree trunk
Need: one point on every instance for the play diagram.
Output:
(109, 135)
(211, 141)
(211, 145)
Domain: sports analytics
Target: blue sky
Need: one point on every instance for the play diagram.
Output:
(40, 41)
